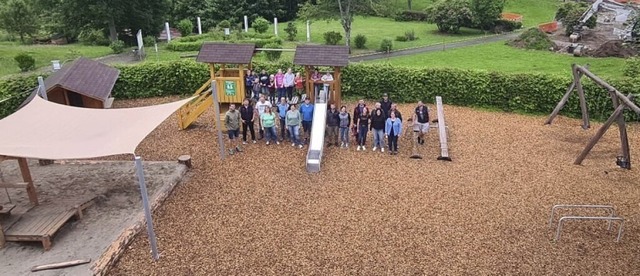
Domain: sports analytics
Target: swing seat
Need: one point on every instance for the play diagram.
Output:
(5, 210)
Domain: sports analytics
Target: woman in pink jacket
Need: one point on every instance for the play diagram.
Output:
(280, 84)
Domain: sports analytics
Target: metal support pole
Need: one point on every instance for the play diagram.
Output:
(147, 209)
(308, 31)
(41, 89)
(216, 108)
(199, 25)
(246, 24)
(275, 25)
(166, 29)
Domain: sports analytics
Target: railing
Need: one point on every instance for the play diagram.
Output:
(610, 218)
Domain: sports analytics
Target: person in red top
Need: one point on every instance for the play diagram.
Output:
(316, 77)
(298, 83)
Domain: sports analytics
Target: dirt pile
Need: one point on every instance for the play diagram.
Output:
(533, 39)
(614, 48)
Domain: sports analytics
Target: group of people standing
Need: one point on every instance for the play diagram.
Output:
(383, 120)
(279, 85)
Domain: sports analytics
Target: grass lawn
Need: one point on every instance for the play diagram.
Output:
(500, 57)
(44, 54)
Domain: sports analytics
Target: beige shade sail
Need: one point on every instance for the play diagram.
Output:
(47, 130)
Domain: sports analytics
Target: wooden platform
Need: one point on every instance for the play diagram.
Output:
(42, 222)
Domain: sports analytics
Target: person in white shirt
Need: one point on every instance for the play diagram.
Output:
(261, 107)
(289, 82)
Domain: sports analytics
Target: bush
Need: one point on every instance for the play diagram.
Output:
(506, 26)
(149, 41)
(450, 15)
(410, 35)
(185, 27)
(180, 46)
(260, 25)
(224, 24)
(533, 39)
(25, 61)
(93, 37)
(360, 40)
(408, 15)
(292, 31)
(273, 55)
(386, 45)
(117, 46)
(332, 37)
(632, 67)
(401, 38)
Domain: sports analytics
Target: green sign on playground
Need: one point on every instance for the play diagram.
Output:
(230, 88)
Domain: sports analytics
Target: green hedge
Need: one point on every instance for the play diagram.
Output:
(190, 46)
(525, 92)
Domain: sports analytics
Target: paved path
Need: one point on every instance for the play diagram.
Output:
(437, 47)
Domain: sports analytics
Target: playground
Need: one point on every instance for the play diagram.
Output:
(260, 212)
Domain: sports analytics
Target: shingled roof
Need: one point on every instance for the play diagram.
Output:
(321, 55)
(231, 53)
(86, 77)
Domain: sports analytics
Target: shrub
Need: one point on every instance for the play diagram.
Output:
(185, 27)
(149, 41)
(386, 45)
(93, 37)
(292, 31)
(273, 55)
(410, 35)
(117, 46)
(332, 37)
(180, 46)
(506, 26)
(25, 61)
(450, 15)
(632, 67)
(401, 38)
(224, 24)
(360, 40)
(408, 15)
(533, 39)
(260, 25)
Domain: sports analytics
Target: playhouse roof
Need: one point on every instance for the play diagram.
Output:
(231, 53)
(86, 77)
(322, 55)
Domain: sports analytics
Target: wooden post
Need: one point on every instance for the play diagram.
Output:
(310, 85)
(2, 241)
(337, 82)
(622, 127)
(583, 101)
(26, 177)
(594, 140)
(212, 70)
(186, 160)
(565, 98)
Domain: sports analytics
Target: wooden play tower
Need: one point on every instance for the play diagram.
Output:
(332, 56)
(233, 59)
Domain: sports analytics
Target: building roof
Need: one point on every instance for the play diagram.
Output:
(86, 77)
(231, 53)
(322, 55)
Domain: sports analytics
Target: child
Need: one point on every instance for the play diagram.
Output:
(257, 88)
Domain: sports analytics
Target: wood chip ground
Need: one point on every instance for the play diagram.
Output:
(369, 213)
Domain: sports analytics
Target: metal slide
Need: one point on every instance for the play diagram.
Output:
(316, 142)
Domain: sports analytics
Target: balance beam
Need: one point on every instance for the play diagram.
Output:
(442, 130)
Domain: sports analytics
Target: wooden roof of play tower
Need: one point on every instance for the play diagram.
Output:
(322, 55)
(228, 53)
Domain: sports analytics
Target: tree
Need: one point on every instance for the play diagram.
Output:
(486, 12)
(449, 15)
(185, 27)
(344, 10)
(261, 25)
(570, 13)
(18, 17)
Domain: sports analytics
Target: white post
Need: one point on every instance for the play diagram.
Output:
(41, 89)
(199, 25)
(166, 29)
(246, 24)
(147, 209)
(308, 32)
(275, 25)
(216, 110)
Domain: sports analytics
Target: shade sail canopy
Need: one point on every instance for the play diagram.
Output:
(48, 130)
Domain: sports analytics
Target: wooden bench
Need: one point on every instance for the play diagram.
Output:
(43, 221)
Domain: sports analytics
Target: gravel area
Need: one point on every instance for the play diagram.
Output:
(370, 213)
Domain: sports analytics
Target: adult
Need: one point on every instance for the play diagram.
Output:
(247, 113)
(289, 82)
(393, 130)
(248, 84)
(378, 106)
(232, 123)
(306, 110)
(316, 77)
(345, 121)
(333, 123)
(268, 122)
(283, 107)
(298, 80)
(421, 122)
(264, 82)
(279, 78)
(394, 109)
(378, 119)
(363, 125)
(261, 107)
(293, 120)
(271, 87)
(385, 104)
(356, 114)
